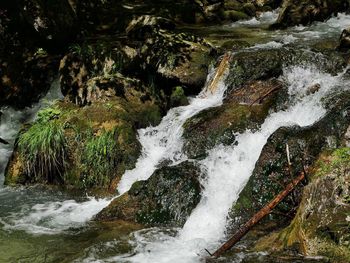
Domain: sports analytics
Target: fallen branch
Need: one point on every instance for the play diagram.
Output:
(219, 72)
(258, 216)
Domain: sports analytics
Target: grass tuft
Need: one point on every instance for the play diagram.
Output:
(100, 158)
(43, 149)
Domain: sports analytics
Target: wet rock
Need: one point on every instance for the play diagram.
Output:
(321, 225)
(305, 12)
(25, 80)
(254, 65)
(99, 141)
(272, 172)
(166, 198)
(244, 108)
(344, 42)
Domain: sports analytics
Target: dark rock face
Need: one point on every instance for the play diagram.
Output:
(166, 198)
(54, 21)
(158, 57)
(271, 172)
(305, 12)
(344, 42)
(29, 30)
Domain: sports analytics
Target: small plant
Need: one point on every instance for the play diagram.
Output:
(43, 149)
(83, 50)
(100, 158)
(48, 114)
(40, 52)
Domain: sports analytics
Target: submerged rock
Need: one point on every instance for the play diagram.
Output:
(166, 198)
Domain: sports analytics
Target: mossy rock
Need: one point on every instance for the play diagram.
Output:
(234, 15)
(166, 198)
(272, 171)
(178, 97)
(99, 140)
(241, 110)
(321, 225)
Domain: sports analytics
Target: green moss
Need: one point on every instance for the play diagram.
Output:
(99, 159)
(48, 114)
(338, 158)
(43, 150)
(178, 97)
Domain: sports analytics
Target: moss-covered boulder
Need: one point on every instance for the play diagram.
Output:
(272, 172)
(166, 198)
(244, 108)
(305, 12)
(254, 65)
(321, 225)
(84, 147)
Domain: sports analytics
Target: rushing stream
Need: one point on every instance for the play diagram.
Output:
(45, 225)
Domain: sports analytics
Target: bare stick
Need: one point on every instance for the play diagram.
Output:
(258, 216)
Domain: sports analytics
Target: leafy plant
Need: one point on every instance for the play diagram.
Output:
(100, 158)
(48, 114)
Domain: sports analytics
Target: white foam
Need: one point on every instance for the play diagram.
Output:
(264, 18)
(164, 142)
(227, 169)
(54, 217)
(159, 143)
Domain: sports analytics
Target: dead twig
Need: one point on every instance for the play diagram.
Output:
(258, 216)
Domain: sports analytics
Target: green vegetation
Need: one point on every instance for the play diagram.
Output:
(178, 97)
(43, 149)
(99, 159)
(339, 158)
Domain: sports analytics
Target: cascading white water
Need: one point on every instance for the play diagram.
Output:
(164, 142)
(159, 143)
(228, 168)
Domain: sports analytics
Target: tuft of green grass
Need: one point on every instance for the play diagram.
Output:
(44, 151)
(100, 158)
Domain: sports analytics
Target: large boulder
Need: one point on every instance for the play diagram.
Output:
(304, 12)
(166, 198)
(243, 108)
(85, 147)
(321, 225)
(272, 171)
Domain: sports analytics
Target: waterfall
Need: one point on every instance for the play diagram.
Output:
(163, 142)
(227, 169)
